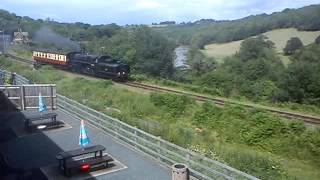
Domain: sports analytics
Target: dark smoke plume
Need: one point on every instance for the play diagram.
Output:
(47, 36)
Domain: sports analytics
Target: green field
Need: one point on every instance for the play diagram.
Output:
(279, 37)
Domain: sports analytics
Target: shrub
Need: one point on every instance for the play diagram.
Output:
(138, 77)
(261, 165)
(179, 134)
(174, 104)
(206, 115)
(297, 127)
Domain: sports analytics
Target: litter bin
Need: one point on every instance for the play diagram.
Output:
(180, 172)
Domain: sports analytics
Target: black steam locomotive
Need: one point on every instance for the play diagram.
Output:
(95, 65)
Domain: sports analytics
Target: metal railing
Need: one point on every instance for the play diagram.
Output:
(165, 152)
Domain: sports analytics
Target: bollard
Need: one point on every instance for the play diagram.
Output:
(179, 172)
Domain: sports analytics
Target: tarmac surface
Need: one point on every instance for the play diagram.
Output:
(37, 151)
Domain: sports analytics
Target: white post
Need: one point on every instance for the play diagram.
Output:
(158, 149)
(135, 138)
(188, 159)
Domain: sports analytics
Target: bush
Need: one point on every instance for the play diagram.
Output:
(179, 134)
(138, 77)
(204, 116)
(261, 165)
(174, 104)
(297, 127)
(264, 90)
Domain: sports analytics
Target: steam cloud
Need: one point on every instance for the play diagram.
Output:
(48, 36)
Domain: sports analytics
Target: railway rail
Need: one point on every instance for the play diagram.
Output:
(161, 89)
(308, 119)
(19, 58)
(290, 115)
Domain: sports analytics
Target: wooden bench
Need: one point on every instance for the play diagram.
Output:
(69, 163)
(49, 120)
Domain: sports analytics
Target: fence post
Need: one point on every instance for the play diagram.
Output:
(188, 159)
(135, 138)
(22, 97)
(51, 97)
(13, 78)
(117, 130)
(158, 149)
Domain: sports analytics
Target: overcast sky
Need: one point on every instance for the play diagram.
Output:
(145, 11)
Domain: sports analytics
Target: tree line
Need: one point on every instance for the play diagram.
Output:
(200, 33)
(145, 50)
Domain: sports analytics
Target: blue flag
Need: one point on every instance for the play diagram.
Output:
(42, 104)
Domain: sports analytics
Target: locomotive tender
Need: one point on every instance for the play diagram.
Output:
(95, 65)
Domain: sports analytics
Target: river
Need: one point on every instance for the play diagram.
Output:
(181, 53)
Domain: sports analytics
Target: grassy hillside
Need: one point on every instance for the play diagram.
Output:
(279, 37)
(207, 31)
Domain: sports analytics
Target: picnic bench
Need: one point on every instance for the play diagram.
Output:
(71, 161)
(47, 120)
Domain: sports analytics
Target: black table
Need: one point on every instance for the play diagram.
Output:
(36, 119)
(67, 161)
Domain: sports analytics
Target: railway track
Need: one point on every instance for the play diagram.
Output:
(308, 119)
(19, 58)
(290, 115)
(156, 88)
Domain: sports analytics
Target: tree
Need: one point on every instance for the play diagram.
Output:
(154, 51)
(146, 51)
(293, 44)
(199, 63)
(254, 72)
(255, 47)
(302, 78)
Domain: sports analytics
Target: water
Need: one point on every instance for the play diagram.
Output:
(181, 56)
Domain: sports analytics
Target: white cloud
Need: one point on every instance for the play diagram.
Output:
(147, 11)
(148, 4)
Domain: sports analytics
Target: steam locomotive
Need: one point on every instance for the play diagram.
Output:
(95, 65)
